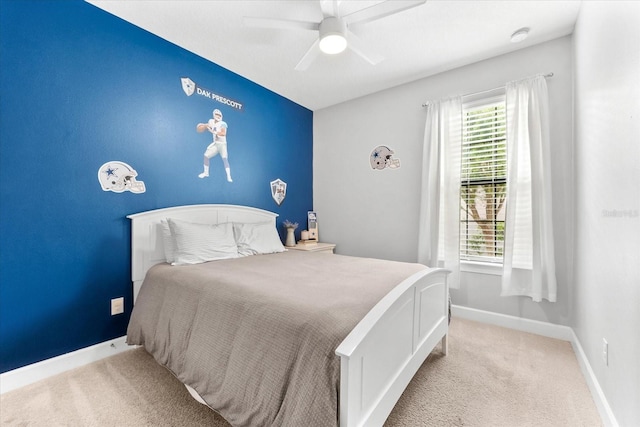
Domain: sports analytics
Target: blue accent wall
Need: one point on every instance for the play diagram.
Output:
(80, 87)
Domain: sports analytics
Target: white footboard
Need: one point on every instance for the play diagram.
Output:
(385, 350)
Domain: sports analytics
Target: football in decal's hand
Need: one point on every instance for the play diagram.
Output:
(201, 127)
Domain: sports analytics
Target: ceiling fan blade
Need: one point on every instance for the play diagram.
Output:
(280, 24)
(329, 7)
(381, 10)
(309, 57)
(358, 46)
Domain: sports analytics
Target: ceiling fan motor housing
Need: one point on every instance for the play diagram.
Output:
(333, 32)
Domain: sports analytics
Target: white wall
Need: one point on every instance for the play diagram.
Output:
(374, 213)
(607, 226)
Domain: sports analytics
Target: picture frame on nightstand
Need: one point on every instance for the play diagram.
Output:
(312, 225)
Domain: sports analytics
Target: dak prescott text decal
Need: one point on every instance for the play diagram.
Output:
(190, 87)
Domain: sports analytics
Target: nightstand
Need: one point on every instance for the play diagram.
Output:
(314, 247)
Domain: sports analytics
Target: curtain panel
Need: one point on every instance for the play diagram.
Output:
(439, 227)
(528, 266)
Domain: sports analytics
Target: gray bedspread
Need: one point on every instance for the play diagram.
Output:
(256, 336)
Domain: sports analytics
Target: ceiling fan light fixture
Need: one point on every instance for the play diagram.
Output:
(333, 43)
(332, 35)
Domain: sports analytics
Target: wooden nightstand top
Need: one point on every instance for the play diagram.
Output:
(314, 247)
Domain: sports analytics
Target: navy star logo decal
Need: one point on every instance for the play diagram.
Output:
(111, 172)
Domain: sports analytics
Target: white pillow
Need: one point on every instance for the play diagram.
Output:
(257, 238)
(197, 243)
(168, 242)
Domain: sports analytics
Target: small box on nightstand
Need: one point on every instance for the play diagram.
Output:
(314, 247)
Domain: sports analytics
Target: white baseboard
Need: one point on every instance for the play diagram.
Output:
(550, 330)
(608, 419)
(29, 374)
(537, 327)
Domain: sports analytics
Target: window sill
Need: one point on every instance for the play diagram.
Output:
(481, 268)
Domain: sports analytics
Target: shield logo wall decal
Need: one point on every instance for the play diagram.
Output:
(278, 190)
(188, 86)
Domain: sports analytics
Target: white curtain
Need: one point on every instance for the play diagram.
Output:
(529, 266)
(439, 228)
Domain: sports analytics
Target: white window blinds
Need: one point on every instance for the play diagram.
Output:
(483, 180)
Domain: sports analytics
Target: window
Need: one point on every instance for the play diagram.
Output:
(483, 180)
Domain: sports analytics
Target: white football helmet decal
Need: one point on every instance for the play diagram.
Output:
(118, 177)
(381, 157)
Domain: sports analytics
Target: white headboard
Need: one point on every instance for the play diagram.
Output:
(146, 234)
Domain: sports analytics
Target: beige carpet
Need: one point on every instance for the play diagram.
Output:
(491, 377)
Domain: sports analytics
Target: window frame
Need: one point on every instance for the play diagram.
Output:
(475, 263)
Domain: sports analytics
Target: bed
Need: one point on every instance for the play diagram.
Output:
(362, 327)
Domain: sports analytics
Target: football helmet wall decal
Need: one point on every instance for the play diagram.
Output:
(381, 157)
(118, 176)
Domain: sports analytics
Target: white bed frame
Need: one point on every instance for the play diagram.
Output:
(380, 355)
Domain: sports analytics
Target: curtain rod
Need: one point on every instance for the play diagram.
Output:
(490, 90)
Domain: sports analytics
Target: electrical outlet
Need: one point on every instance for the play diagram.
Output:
(605, 352)
(117, 306)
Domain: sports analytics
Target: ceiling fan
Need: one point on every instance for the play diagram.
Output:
(334, 35)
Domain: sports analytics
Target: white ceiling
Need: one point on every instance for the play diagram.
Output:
(425, 40)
